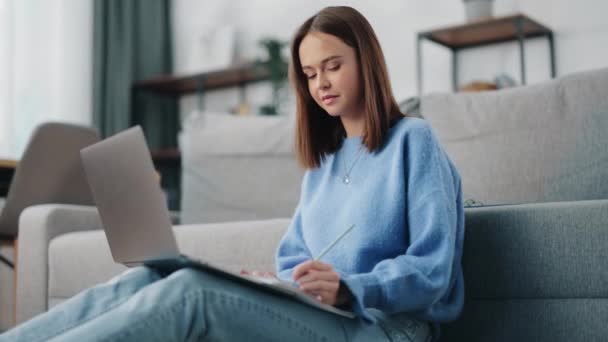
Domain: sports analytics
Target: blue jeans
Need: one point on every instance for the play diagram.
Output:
(190, 305)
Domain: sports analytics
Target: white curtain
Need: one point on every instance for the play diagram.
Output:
(45, 67)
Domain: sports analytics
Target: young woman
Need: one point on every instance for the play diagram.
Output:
(368, 165)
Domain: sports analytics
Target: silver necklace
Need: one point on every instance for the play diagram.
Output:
(346, 178)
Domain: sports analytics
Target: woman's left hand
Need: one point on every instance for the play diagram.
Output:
(319, 280)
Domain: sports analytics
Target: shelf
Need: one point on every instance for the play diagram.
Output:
(213, 80)
(8, 164)
(485, 32)
(7, 170)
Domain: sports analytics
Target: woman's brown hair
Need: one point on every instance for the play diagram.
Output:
(318, 133)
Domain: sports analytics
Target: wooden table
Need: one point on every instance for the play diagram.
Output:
(7, 169)
(517, 27)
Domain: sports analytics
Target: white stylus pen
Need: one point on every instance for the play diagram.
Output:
(334, 242)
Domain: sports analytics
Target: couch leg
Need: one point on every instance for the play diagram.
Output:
(12, 265)
(15, 282)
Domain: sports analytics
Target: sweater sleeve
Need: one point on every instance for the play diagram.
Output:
(417, 280)
(292, 249)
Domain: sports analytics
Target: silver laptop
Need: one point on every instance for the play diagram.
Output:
(130, 201)
(136, 219)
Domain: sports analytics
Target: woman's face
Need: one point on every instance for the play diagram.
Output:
(333, 74)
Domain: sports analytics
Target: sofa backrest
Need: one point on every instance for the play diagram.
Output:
(238, 168)
(534, 272)
(539, 143)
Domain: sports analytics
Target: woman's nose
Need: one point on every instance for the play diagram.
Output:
(323, 82)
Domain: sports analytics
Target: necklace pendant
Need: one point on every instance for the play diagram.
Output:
(346, 180)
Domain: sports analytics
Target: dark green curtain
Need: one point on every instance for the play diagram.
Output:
(132, 41)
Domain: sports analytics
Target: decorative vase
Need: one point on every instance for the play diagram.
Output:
(478, 9)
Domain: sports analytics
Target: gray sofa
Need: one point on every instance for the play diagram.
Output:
(534, 256)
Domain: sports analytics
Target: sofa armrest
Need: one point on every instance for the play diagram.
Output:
(38, 225)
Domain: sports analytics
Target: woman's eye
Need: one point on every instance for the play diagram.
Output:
(334, 67)
(310, 77)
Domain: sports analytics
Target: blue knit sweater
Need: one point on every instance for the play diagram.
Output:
(404, 254)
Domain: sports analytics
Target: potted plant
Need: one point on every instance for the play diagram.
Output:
(276, 64)
(478, 9)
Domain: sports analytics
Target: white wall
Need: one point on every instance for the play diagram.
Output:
(46, 49)
(5, 77)
(45, 64)
(580, 28)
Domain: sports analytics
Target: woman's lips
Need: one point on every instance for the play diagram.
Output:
(328, 100)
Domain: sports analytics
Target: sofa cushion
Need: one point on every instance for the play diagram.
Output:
(540, 320)
(544, 250)
(539, 143)
(238, 168)
(535, 272)
(235, 245)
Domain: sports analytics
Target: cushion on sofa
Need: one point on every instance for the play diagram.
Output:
(539, 143)
(238, 168)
